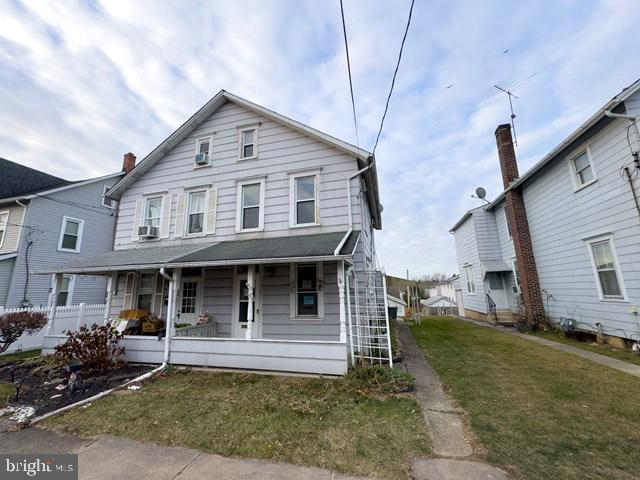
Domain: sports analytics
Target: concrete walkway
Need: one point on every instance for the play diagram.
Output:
(110, 458)
(614, 363)
(444, 423)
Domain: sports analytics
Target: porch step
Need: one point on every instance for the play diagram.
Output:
(505, 317)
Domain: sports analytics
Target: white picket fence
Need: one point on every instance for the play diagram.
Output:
(67, 318)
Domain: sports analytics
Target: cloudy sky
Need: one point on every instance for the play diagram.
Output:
(81, 83)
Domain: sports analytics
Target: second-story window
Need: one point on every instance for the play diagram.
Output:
(583, 170)
(4, 221)
(250, 206)
(152, 211)
(304, 199)
(471, 283)
(195, 217)
(248, 143)
(70, 235)
(106, 201)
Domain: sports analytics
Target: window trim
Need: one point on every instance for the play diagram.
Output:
(70, 288)
(241, 131)
(4, 226)
(199, 140)
(204, 212)
(104, 196)
(138, 289)
(293, 307)
(293, 201)
(616, 266)
(240, 208)
(63, 228)
(577, 186)
(466, 278)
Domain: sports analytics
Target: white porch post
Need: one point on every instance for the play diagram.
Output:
(57, 285)
(177, 286)
(250, 293)
(112, 283)
(343, 315)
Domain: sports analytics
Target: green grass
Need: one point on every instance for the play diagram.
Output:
(318, 422)
(6, 390)
(10, 357)
(540, 413)
(608, 350)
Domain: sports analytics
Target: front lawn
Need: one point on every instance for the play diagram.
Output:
(608, 350)
(540, 413)
(11, 357)
(336, 424)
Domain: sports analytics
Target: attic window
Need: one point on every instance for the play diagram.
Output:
(203, 152)
(582, 166)
(106, 201)
(248, 143)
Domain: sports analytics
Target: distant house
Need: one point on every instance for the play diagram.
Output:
(443, 289)
(563, 239)
(398, 303)
(44, 221)
(438, 305)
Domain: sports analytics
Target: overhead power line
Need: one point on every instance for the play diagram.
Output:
(395, 73)
(346, 47)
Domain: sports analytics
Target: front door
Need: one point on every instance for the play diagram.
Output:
(497, 291)
(241, 306)
(189, 300)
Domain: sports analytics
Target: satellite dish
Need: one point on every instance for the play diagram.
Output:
(481, 192)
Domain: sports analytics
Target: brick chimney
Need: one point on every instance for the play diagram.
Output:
(517, 214)
(128, 163)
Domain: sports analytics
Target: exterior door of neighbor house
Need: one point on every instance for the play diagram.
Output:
(190, 300)
(241, 306)
(497, 290)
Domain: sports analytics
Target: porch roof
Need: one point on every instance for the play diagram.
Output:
(495, 266)
(318, 247)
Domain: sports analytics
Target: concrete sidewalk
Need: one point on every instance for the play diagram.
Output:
(620, 365)
(110, 458)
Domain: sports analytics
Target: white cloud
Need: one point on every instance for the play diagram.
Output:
(82, 83)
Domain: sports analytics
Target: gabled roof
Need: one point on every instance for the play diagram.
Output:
(437, 301)
(17, 180)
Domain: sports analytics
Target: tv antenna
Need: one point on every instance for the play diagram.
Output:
(513, 115)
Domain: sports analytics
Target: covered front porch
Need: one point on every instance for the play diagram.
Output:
(270, 313)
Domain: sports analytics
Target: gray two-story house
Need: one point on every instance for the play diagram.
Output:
(246, 233)
(563, 239)
(45, 221)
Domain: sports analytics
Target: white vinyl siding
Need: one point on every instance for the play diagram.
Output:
(70, 235)
(281, 152)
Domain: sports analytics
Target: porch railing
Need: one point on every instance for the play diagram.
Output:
(207, 330)
(491, 309)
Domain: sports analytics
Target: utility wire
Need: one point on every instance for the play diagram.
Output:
(82, 206)
(395, 73)
(346, 47)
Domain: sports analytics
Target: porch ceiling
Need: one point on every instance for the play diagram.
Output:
(319, 246)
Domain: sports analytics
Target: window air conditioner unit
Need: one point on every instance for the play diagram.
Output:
(202, 159)
(147, 231)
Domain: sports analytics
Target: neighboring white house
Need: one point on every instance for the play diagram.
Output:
(578, 209)
(443, 289)
(398, 303)
(439, 305)
(257, 232)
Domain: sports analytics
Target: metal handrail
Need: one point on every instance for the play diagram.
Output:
(491, 307)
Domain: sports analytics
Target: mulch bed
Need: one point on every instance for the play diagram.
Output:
(45, 386)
